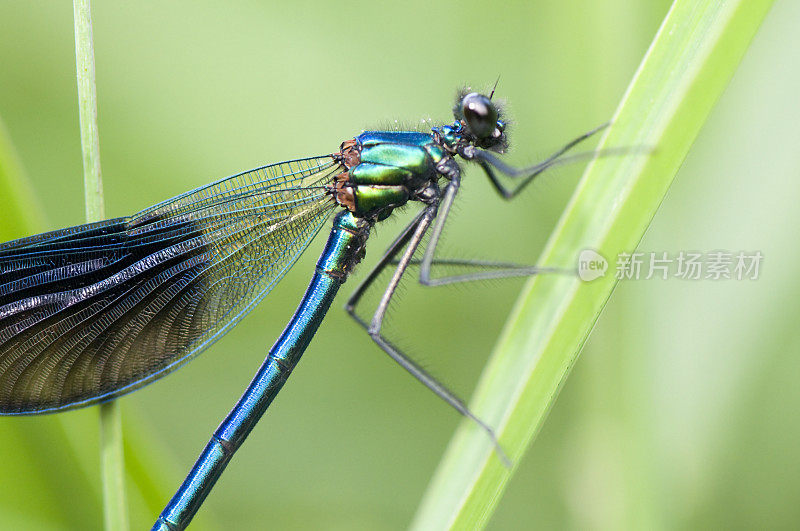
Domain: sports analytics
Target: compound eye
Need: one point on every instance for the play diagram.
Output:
(480, 114)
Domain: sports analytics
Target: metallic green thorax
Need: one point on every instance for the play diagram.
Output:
(386, 169)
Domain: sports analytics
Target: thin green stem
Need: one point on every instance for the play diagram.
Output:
(112, 458)
(115, 515)
(87, 109)
(688, 65)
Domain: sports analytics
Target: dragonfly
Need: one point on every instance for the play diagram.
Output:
(93, 312)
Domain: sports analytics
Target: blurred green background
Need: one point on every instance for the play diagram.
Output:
(682, 412)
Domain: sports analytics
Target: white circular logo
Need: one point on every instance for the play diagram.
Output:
(591, 265)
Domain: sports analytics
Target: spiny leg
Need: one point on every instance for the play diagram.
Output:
(487, 161)
(496, 269)
(387, 258)
(411, 237)
(492, 270)
(429, 214)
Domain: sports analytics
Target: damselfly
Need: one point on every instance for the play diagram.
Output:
(92, 312)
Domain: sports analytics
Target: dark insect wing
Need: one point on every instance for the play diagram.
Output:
(91, 312)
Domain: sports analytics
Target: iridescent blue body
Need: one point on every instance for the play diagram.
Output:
(92, 312)
(344, 249)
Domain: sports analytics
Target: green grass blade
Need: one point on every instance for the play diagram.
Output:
(115, 515)
(21, 212)
(688, 65)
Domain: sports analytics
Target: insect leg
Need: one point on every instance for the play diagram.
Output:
(411, 237)
(489, 163)
(492, 270)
